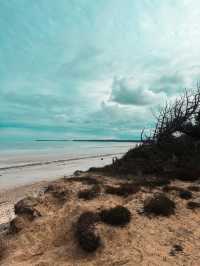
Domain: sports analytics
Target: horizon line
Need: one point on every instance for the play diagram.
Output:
(92, 140)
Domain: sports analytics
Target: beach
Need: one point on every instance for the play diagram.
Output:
(43, 195)
(39, 176)
(27, 171)
(26, 163)
(49, 239)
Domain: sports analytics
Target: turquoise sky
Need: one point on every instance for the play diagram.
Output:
(93, 68)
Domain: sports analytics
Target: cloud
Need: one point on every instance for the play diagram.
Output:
(58, 60)
(129, 91)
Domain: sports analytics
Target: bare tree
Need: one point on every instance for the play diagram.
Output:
(179, 116)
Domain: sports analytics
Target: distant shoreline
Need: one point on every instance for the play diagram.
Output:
(90, 140)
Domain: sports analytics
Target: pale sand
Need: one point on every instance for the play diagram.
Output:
(49, 240)
(18, 182)
(29, 173)
(9, 197)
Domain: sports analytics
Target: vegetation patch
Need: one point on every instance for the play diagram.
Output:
(185, 194)
(57, 192)
(193, 205)
(172, 188)
(2, 248)
(89, 194)
(160, 204)
(117, 216)
(124, 190)
(85, 180)
(172, 148)
(157, 182)
(194, 188)
(85, 232)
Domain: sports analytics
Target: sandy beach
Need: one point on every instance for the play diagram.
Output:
(31, 179)
(28, 173)
(51, 160)
(49, 239)
(8, 197)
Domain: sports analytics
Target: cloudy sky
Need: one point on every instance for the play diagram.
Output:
(93, 69)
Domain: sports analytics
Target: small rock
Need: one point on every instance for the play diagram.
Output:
(26, 206)
(17, 224)
(77, 172)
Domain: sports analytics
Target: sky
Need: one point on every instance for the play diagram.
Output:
(93, 68)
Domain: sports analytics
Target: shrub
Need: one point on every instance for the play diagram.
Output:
(89, 194)
(159, 182)
(2, 248)
(172, 188)
(124, 190)
(159, 205)
(185, 194)
(57, 192)
(85, 180)
(85, 232)
(193, 205)
(117, 216)
(194, 188)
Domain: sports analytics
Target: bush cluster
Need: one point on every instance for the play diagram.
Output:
(57, 192)
(194, 188)
(172, 188)
(124, 190)
(85, 232)
(159, 205)
(185, 194)
(117, 216)
(89, 194)
(85, 180)
(193, 205)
